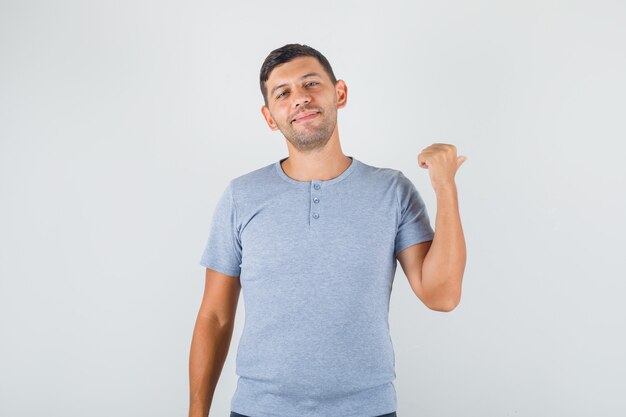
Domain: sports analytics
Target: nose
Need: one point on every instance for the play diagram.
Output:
(301, 96)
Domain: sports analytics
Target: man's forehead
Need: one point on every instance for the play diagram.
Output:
(296, 68)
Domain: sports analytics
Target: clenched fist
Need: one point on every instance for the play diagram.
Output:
(442, 163)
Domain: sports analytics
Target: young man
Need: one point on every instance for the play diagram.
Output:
(313, 239)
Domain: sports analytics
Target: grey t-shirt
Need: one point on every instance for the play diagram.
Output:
(316, 261)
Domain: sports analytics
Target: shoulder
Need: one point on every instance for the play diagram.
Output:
(250, 181)
(389, 178)
(253, 189)
(381, 174)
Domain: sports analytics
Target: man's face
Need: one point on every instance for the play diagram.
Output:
(303, 103)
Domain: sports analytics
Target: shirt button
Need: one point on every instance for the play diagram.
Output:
(316, 186)
(316, 200)
(315, 215)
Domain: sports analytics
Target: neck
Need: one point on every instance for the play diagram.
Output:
(316, 166)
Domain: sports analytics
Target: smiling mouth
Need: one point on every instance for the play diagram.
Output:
(305, 118)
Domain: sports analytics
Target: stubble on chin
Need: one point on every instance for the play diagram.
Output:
(310, 140)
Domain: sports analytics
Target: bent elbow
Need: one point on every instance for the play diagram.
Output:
(446, 307)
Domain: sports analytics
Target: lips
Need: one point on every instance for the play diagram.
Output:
(305, 115)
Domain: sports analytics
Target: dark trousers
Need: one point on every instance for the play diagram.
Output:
(233, 414)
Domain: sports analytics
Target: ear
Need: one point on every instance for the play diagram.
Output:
(268, 117)
(341, 89)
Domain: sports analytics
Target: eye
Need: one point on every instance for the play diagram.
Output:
(312, 82)
(278, 96)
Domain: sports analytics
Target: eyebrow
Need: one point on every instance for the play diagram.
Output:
(310, 74)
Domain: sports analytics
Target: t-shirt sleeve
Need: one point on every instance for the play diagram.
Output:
(223, 247)
(414, 224)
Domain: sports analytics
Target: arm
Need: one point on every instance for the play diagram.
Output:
(211, 339)
(435, 268)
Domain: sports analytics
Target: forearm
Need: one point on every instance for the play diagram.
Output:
(443, 267)
(209, 348)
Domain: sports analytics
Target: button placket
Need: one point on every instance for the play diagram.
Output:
(315, 204)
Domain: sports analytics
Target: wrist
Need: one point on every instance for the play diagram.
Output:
(448, 187)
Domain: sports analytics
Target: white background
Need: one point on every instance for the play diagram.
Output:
(121, 122)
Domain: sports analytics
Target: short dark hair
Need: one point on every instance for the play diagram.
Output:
(287, 53)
